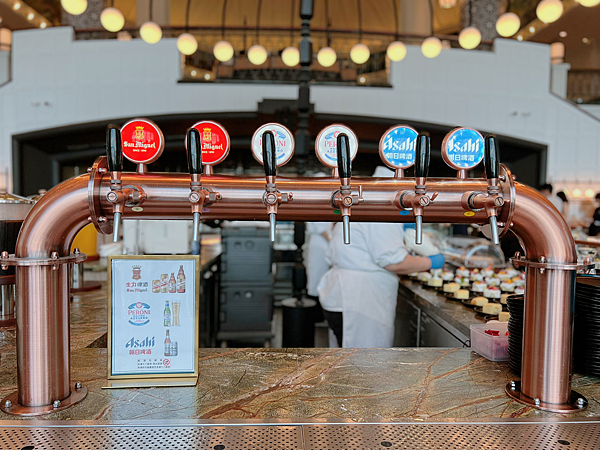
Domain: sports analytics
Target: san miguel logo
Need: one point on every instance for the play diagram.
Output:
(212, 141)
(138, 314)
(141, 139)
(136, 272)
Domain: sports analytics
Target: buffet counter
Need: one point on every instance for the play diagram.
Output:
(426, 318)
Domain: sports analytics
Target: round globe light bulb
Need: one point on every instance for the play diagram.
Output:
(396, 51)
(187, 44)
(431, 47)
(150, 32)
(112, 19)
(223, 51)
(469, 38)
(576, 193)
(327, 57)
(549, 11)
(257, 54)
(360, 53)
(290, 56)
(589, 193)
(588, 3)
(508, 24)
(74, 7)
(447, 4)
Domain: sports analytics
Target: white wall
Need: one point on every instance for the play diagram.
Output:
(58, 81)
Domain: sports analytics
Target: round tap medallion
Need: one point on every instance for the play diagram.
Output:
(326, 144)
(462, 148)
(143, 142)
(284, 143)
(215, 142)
(397, 147)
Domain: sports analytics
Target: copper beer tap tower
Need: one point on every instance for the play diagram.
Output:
(43, 256)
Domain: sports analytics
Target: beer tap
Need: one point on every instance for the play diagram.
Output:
(491, 201)
(418, 199)
(199, 195)
(114, 154)
(272, 198)
(343, 199)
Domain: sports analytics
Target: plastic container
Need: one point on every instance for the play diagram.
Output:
(494, 348)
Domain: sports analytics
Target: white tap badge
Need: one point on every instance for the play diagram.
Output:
(284, 143)
(326, 144)
(397, 147)
(462, 148)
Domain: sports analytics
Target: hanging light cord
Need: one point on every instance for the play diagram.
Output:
(470, 12)
(223, 19)
(358, 4)
(151, 10)
(328, 22)
(396, 19)
(292, 23)
(258, 11)
(187, 16)
(431, 14)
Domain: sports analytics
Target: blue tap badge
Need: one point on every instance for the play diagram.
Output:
(463, 148)
(397, 147)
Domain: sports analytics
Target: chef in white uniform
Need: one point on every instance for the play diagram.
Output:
(362, 284)
(315, 253)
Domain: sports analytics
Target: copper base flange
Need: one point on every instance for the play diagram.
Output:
(577, 402)
(18, 410)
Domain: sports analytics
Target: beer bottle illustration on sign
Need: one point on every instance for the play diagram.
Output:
(180, 281)
(172, 284)
(168, 345)
(167, 314)
(164, 281)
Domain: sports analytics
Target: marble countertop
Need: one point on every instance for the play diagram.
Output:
(292, 384)
(436, 304)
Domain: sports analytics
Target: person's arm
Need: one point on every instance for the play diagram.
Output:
(325, 235)
(410, 264)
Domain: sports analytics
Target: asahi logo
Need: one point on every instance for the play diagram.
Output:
(138, 314)
(470, 146)
(143, 343)
(399, 145)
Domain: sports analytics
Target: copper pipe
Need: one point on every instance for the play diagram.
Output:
(43, 344)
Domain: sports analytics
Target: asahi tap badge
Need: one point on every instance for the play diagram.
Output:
(284, 143)
(214, 140)
(462, 148)
(143, 142)
(397, 147)
(326, 144)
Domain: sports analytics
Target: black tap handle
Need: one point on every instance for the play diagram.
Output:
(423, 150)
(343, 156)
(492, 157)
(269, 154)
(194, 151)
(114, 149)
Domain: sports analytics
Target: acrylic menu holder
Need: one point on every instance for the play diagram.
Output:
(153, 320)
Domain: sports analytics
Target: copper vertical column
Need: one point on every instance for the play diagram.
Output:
(43, 371)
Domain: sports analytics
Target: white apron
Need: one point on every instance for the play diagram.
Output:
(368, 303)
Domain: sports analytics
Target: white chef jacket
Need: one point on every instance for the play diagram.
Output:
(315, 255)
(358, 285)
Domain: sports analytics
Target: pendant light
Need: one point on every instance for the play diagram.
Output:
(112, 19)
(186, 42)
(73, 7)
(223, 50)
(549, 11)
(588, 3)
(432, 46)
(447, 4)
(291, 55)
(508, 24)
(257, 54)
(327, 56)
(396, 51)
(359, 53)
(150, 31)
(470, 37)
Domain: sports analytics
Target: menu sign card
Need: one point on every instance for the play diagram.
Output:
(153, 319)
